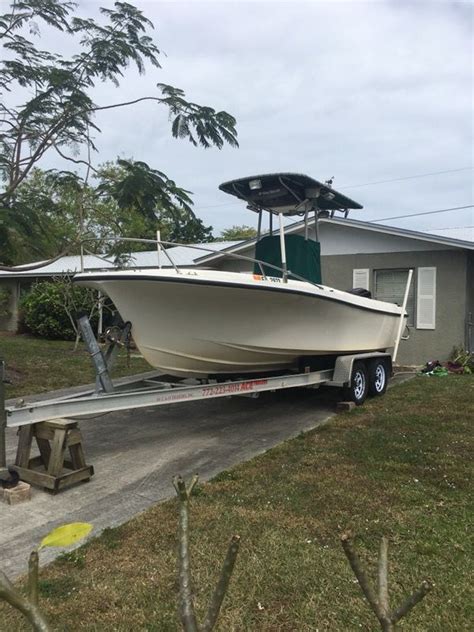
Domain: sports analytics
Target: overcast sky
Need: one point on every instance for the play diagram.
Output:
(363, 91)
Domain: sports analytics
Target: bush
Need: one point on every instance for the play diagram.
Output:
(462, 360)
(44, 310)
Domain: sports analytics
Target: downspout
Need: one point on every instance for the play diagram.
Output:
(469, 324)
(468, 344)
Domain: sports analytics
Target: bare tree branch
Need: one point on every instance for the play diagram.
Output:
(42, 264)
(383, 577)
(77, 161)
(411, 601)
(380, 605)
(191, 486)
(33, 564)
(123, 104)
(360, 573)
(26, 607)
(186, 604)
(222, 585)
(187, 613)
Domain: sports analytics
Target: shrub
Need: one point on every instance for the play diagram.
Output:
(45, 308)
(463, 360)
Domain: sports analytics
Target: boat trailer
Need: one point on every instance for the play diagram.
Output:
(54, 422)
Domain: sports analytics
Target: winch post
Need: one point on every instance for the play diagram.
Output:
(103, 362)
(3, 417)
(114, 346)
(103, 380)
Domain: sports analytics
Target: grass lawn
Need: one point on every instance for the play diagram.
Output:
(36, 366)
(400, 465)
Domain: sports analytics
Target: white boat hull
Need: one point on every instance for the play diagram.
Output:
(201, 323)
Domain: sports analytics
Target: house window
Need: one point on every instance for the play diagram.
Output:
(390, 286)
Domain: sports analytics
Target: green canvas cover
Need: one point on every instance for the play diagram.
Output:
(303, 257)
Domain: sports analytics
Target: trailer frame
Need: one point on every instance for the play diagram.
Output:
(157, 390)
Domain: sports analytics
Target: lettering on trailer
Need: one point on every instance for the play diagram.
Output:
(211, 391)
(229, 389)
(174, 397)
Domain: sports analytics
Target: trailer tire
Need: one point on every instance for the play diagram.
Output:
(378, 377)
(358, 388)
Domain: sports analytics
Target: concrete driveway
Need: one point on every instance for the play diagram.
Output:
(136, 453)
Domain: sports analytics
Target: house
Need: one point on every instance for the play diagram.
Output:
(353, 254)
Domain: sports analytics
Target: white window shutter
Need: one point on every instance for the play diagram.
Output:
(426, 299)
(360, 278)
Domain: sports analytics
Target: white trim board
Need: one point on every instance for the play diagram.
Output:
(426, 298)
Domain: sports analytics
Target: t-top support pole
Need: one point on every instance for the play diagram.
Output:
(283, 249)
(158, 247)
(316, 223)
(402, 316)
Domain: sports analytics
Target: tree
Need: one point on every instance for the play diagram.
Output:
(57, 113)
(18, 227)
(237, 233)
(43, 219)
(110, 206)
(138, 189)
(182, 229)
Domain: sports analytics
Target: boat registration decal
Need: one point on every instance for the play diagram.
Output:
(239, 387)
(259, 277)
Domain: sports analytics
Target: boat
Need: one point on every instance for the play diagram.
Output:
(192, 322)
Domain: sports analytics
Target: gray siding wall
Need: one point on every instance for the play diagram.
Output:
(236, 265)
(451, 293)
(470, 302)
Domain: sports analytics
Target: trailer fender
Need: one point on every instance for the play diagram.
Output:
(344, 365)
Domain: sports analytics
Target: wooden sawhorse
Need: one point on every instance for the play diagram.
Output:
(51, 469)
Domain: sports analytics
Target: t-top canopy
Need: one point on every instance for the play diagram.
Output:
(287, 193)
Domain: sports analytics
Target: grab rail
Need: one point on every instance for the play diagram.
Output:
(232, 255)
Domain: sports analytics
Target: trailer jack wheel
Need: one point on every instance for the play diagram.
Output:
(357, 390)
(378, 377)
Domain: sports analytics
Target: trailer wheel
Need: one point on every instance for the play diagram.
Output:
(378, 377)
(357, 390)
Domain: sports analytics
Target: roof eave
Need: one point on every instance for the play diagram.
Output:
(379, 228)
